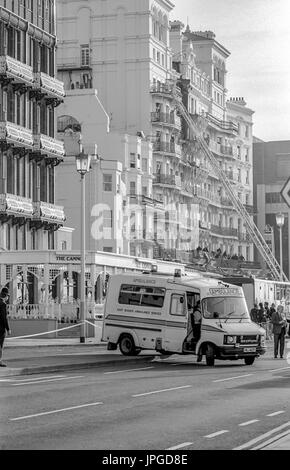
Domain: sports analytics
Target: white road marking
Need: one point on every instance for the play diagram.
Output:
(5, 380)
(276, 413)
(247, 423)
(39, 378)
(180, 446)
(160, 391)
(215, 434)
(128, 370)
(262, 436)
(56, 411)
(273, 439)
(281, 368)
(47, 380)
(232, 378)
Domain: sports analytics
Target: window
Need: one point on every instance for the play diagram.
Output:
(273, 198)
(141, 295)
(107, 219)
(132, 160)
(64, 245)
(177, 306)
(85, 55)
(144, 164)
(107, 183)
(132, 188)
(108, 249)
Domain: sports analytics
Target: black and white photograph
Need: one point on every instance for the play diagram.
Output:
(144, 228)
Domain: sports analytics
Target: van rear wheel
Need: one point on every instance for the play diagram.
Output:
(249, 360)
(209, 355)
(127, 346)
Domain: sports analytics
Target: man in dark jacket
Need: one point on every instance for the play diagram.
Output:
(4, 325)
(279, 330)
(254, 313)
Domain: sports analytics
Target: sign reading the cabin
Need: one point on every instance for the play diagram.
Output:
(224, 291)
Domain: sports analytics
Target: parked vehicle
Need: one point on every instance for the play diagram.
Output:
(152, 311)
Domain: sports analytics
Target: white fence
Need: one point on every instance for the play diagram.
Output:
(64, 313)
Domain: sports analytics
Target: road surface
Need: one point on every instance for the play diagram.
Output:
(173, 403)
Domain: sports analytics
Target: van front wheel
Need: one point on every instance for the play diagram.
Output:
(127, 346)
(209, 355)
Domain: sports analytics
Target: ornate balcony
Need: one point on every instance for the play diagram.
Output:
(15, 135)
(224, 232)
(226, 126)
(16, 71)
(16, 206)
(167, 147)
(165, 89)
(49, 86)
(167, 180)
(48, 146)
(48, 213)
(167, 119)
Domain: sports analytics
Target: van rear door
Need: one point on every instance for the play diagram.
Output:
(175, 321)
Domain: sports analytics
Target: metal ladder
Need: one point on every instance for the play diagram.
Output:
(253, 231)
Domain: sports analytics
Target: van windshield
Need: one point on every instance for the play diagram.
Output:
(225, 307)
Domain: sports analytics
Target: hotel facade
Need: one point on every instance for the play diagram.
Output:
(132, 56)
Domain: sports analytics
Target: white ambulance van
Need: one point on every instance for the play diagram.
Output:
(155, 312)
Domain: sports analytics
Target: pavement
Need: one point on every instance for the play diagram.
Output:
(36, 356)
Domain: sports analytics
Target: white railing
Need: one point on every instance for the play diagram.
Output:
(16, 134)
(48, 145)
(50, 84)
(16, 69)
(34, 311)
(49, 212)
(12, 204)
(65, 313)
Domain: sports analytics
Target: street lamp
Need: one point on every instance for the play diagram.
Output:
(280, 222)
(83, 162)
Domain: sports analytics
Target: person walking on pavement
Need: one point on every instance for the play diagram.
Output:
(267, 314)
(4, 325)
(279, 330)
(271, 311)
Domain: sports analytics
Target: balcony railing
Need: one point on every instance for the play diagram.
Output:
(166, 118)
(19, 72)
(17, 206)
(226, 150)
(225, 232)
(48, 146)
(144, 200)
(16, 135)
(225, 201)
(46, 212)
(170, 180)
(49, 85)
(167, 147)
(164, 89)
(204, 225)
(224, 125)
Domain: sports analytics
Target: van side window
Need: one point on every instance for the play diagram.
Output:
(177, 306)
(141, 295)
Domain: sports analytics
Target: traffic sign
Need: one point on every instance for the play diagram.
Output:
(285, 193)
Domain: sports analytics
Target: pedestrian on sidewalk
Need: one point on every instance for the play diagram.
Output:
(261, 317)
(4, 325)
(279, 330)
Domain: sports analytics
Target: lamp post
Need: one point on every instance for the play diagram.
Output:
(280, 222)
(83, 167)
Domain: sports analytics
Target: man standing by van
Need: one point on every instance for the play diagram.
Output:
(197, 321)
(279, 330)
(4, 325)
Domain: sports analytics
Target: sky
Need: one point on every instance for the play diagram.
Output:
(257, 34)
